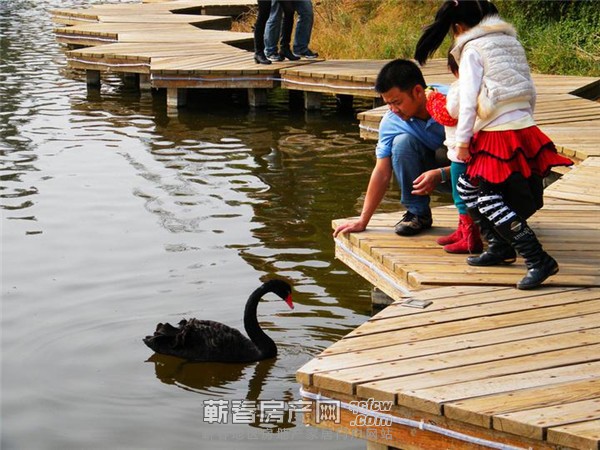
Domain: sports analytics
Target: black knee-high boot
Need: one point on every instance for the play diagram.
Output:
(540, 264)
(499, 250)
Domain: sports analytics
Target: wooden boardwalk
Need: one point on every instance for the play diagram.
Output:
(484, 365)
(481, 367)
(176, 45)
(133, 11)
(570, 230)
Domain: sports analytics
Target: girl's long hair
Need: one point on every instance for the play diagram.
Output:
(466, 12)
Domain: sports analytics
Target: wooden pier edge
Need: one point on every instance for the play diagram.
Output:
(411, 429)
(548, 398)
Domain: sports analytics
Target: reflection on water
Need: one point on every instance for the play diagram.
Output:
(208, 378)
(116, 216)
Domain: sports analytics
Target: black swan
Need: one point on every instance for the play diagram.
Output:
(206, 340)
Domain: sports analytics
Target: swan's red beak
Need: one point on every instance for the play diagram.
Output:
(288, 300)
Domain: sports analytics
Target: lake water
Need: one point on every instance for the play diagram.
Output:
(116, 216)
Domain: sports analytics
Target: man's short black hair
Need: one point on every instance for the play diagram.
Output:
(400, 73)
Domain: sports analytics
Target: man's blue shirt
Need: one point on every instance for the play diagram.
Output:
(429, 132)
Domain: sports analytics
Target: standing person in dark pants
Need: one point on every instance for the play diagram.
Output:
(278, 30)
(264, 10)
(304, 25)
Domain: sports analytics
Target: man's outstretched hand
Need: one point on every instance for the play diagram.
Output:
(349, 227)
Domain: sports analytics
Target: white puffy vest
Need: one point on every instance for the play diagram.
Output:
(507, 82)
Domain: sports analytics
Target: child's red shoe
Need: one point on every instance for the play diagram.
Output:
(455, 236)
(471, 239)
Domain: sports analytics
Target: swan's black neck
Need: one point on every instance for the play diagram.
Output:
(264, 343)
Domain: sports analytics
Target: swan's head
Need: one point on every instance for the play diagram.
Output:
(280, 288)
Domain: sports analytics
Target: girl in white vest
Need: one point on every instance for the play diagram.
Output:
(506, 153)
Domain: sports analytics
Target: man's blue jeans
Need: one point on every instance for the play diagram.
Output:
(304, 9)
(410, 158)
(273, 28)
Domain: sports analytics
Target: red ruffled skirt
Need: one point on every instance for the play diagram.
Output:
(495, 155)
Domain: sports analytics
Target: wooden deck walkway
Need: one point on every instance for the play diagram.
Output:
(570, 230)
(167, 47)
(484, 365)
(175, 45)
(158, 9)
(481, 367)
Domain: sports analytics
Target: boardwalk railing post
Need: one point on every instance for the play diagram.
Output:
(130, 79)
(144, 80)
(176, 97)
(92, 77)
(312, 100)
(257, 97)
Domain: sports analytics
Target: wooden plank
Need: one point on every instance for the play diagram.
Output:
(533, 423)
(514, 303)
(498, 323)
(348, 359)
(580, 184)
(106, 65)
(444, 299)
(582, 435)
(193, 19)
(213, 82)
(198, 36)
(206, 64)
(119, 27)
(330, 86)
(421, 281)
(479, 410)
(167, 49)
(434, 399)
(395, 389)
(537, 353)
(382, 277)
(363, 71)
(572, 193)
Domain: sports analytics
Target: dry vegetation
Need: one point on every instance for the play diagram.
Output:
(561, 36)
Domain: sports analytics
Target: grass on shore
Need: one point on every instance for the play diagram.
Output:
(560, 37)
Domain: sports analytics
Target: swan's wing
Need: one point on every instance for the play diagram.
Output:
(202, 340)
(209, 336)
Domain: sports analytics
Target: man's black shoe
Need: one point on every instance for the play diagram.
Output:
(287, 53)
(411, 224)
(308, 54)
(260, 58)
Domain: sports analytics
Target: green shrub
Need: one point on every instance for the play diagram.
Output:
(560, 37)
